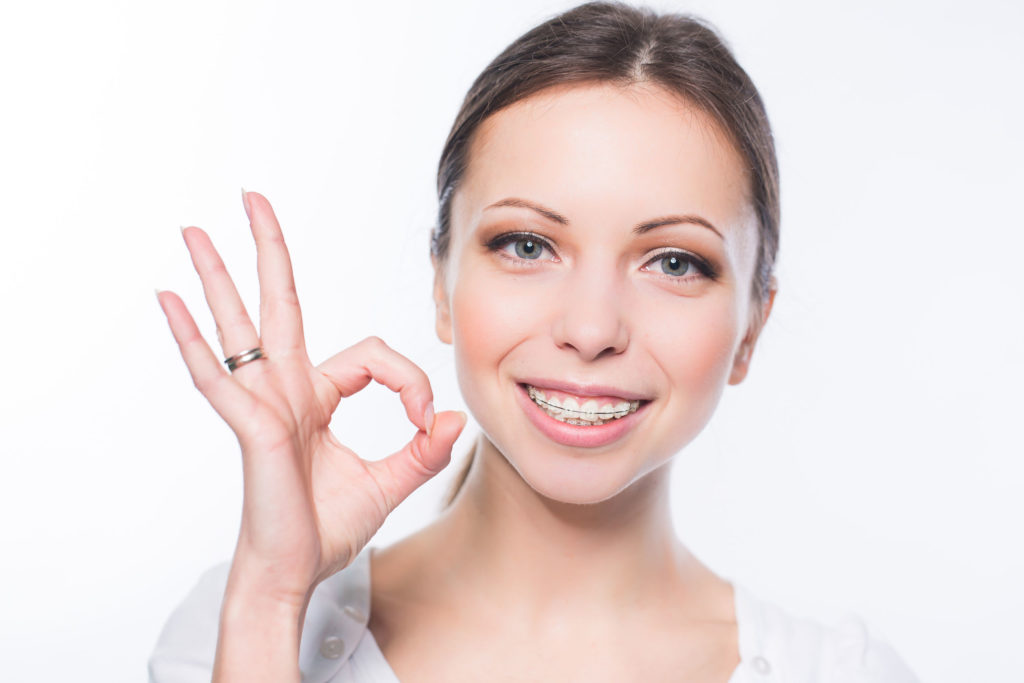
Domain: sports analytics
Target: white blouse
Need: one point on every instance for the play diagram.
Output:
(337, 647)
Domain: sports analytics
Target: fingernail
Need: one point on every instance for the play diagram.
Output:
(465, 418)
(428, 417)
(245, 203)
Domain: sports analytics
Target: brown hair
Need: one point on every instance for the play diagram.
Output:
(614, 43)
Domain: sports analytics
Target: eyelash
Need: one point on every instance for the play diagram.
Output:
(503, 240)
(705, 268)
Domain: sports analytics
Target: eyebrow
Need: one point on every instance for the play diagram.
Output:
(522, 203)
(675, 220)
(640, 229)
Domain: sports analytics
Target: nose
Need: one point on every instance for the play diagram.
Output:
(591, 317)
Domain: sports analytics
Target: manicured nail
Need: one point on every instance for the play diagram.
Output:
(428, 417)
(245, 203)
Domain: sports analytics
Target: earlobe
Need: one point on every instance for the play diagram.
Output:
(741, 363)
(442, 308)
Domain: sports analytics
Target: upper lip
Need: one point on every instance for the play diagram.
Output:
(584, 388)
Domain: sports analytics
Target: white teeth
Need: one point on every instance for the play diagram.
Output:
(590, 413)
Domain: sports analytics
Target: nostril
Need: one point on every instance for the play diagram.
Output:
(594, 351)
(590, 338)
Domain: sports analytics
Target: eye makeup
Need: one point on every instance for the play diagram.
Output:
(532, 244)
(680, 257)
(679, 267)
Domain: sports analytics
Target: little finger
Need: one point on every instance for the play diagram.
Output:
(231, 401)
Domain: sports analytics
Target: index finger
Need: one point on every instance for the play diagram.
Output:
(371, 359)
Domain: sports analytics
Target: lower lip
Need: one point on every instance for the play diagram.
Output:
(576, 435)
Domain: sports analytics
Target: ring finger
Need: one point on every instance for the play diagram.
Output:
(235, 330)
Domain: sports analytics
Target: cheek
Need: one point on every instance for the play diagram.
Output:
(491, 313)
(490, 317)
(480, 302)
(694, 344)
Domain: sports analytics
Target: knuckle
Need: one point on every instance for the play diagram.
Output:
(415, 383)
(375, 345)
(274, 237)
(417, 378)
(416, 461)
(290, 296)
(239, 320)
(217, 268)
(203, 384)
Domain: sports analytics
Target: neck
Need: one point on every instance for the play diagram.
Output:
(503, 540)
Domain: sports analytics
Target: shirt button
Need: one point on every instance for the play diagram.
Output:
(332, 647)
(355, 613)
(761, 665)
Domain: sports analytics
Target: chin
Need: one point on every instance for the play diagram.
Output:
(578, 480)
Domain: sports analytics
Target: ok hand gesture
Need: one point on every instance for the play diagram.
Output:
(310, 503)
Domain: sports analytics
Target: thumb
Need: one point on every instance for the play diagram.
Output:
(403, 472)
(447, 428)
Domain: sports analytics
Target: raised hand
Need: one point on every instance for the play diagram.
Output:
(310, 504)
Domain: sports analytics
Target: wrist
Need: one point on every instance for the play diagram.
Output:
(269, 588)
(243, 604)
(259, 637)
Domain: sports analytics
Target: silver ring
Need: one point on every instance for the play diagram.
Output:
(239, 359)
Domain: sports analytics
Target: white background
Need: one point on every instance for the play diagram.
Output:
(872, 462)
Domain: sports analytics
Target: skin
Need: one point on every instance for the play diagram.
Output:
(553, 552)
(546, 541)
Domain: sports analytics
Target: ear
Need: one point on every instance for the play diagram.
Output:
(741, 363)
(442, 308)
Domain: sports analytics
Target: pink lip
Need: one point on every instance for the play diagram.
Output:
(574, 435)
(583, 389)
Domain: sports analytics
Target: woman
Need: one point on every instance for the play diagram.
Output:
(603, 262)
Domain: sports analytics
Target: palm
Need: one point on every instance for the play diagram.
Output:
(310, 503)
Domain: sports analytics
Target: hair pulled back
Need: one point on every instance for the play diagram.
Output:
(610, 42)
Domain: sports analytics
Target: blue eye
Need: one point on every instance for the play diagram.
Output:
(683, 266)
(673, 265)
(528, 249)
(525, 246)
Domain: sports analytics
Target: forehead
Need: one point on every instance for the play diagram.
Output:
(608, 153)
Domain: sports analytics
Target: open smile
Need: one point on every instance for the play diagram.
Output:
(582, 420)
(581, 412)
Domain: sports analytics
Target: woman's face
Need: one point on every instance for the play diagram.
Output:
(598, 285)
